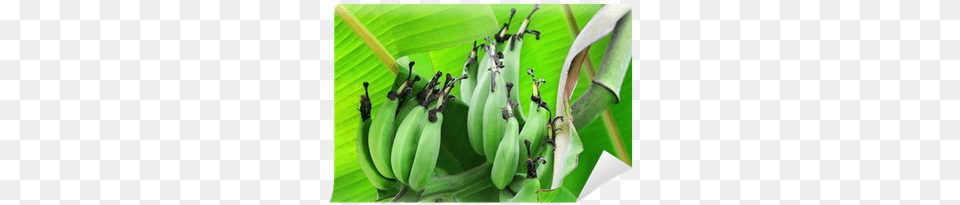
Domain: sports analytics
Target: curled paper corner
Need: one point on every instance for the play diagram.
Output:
(607, 168)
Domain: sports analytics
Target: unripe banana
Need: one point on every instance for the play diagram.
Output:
(479, 99)
(428, 149)
(511, 60)
(530, 186)
(408, 135)
(363, 131)
(505, 162)
(528, 193)
(506, 195)
(381, 137)
(546, 171)
(404, 110)
(511, 66)
(508, 148)
(405, 143)
(536, 127)
(493, 118)
(470, 70)
(383, 129)
(475, 114)
(407, 104)
(518, 178)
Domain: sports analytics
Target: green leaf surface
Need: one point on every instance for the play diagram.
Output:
(423, 65)
(406, 29)
(447, 164)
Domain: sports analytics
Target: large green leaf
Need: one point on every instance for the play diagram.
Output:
(406, 29)
(403, 30)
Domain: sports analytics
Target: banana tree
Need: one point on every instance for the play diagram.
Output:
(370, 40)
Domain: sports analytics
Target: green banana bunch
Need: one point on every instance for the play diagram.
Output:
(546, 171)
(536, 127)
(407, 136)
(546, 179)
(505, 159)
(382, 129)
(366, 163)
(428, 149)
(530, 186)
(475, 113)
(402, 144)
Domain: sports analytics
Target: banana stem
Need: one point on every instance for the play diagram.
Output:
(402, 195)
(367, 38)
(463, 184)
